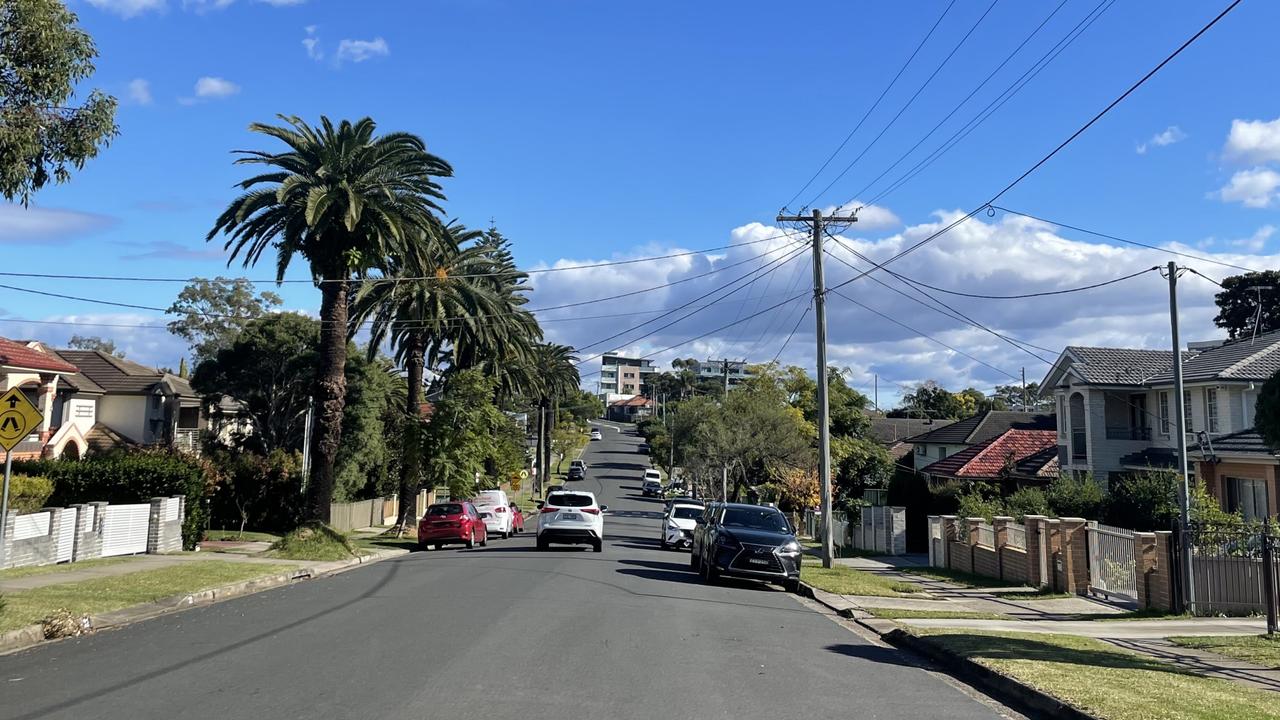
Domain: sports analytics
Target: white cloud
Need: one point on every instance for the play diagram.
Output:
(128, 8)
(1168, 136)
(1255, 188)
(870, 217)
(211, 88)
(312, 43)
(47, 226)
(1257, 241)
(1254, 141)
(1002, 256)
(142, 337)
(201, 6)
(361, 50)
(140, 91)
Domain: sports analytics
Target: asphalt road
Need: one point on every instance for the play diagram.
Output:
(496, 632)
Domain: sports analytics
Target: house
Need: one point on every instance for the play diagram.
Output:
(892, 434)
(630, 409)
(623, 375)
(937, 444)
(137, 405)
(1014, 457)
(1117, 407)
(41, 375)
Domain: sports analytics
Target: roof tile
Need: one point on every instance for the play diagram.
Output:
(18, 355)
(991, 457)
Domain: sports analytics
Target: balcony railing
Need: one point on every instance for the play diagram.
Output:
(1129, 433)
(187, 440)
(1079, 448)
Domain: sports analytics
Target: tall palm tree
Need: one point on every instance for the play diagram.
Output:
(557, 377)
(421, 310)
(347, 202)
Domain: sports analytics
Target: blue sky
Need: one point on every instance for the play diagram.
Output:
(593, 131)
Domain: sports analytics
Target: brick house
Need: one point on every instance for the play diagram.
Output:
(41, 376)
(1013, 458)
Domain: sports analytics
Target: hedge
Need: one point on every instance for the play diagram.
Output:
(129, 476)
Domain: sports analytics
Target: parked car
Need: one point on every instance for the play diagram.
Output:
(595, 435)
(517, 518)
(571, 517)
(576, 473)
(451, 523)
(684, 500)
(709, 512)
(497, 507)
(643, 447)
(678, 523)
(751, 541)
(577, 463)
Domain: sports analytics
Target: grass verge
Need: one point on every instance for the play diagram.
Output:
(1104, 680)
(101, 595)
(313, 541)
(1261, 650)
(912, 614)
(237, 536)
(956, 577)
(1036, 595)
(847, 581)
(12, 573)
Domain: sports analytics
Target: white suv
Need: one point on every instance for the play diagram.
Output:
(571, 517)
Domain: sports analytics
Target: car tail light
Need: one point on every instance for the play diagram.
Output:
(592, 511)
(500, 510)
(548, 509)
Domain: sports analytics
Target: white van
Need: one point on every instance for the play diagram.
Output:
(497, 507)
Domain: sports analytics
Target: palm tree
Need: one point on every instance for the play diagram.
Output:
(557, 376)
(347, 202)
(422, 310)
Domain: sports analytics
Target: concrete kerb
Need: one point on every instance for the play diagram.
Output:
(31, 635)
(1007, 689)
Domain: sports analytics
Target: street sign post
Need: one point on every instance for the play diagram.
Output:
(18, 418)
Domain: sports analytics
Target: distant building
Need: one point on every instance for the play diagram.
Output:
(631, 409)
(717, 369)
(623, 375)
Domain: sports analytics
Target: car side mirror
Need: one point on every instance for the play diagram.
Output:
(604, 508)
(538, 503)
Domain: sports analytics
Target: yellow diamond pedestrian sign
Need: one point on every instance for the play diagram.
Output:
(18, 418)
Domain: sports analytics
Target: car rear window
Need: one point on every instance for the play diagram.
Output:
(686, 513)
(447, 509)
(569, 500)
(762, 519)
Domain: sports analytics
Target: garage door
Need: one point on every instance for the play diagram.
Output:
(124, 529)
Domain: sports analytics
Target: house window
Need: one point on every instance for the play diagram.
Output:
(1062, 415)
(1247, 496)
(1164, 413)
(922, 450)
(1186, 411)
(1211, 409)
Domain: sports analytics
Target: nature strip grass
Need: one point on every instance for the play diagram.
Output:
(1104, 680)
(22, 572)
(1261, 650)
(914, 614)
(105, 594)
(848, 581)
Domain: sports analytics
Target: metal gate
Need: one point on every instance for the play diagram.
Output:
(1112, 571)
(66, 535)
(124, 529)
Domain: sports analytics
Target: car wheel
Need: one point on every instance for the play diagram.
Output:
(791, 585)
(665, 545)
(694, 561)
(436, 546)
(471, 540)
(542, 544)
(710, 574)
(485, 540)
(422, 547)
(598, 546)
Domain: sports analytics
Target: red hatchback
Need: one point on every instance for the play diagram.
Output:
(451, 523)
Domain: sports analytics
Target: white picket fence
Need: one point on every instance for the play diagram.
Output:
(81, 532)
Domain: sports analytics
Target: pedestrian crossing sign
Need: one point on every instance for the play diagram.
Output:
(18, 418)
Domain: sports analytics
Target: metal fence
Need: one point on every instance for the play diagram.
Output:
(1235, 569)
(1112, 562)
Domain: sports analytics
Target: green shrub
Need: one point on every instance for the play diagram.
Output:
(1143, 501)
(1075, 497)
(28, 493)
(1026, 501)
(130, 476)
(256, 492)
(975, 505)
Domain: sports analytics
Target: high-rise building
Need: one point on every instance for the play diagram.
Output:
(623, 375)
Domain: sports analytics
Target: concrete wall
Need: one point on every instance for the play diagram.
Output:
(164, 533)
(126, 414)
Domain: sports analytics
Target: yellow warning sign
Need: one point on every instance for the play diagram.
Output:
(18, 418)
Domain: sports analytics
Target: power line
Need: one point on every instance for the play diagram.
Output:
(874, 105)
(1123, 240)
(906, 105)
(791, 334)
(1132, 88)
(994, 106)
(1045, 293)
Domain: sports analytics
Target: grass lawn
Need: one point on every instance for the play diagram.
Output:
(1261, 650)
(1044, 594)
(1104, 680)
(901, 613)
(120, 591)
(956, 577)
(848, 581)
(313, 542)
(389, 540)
(246, 536)
(12, 573)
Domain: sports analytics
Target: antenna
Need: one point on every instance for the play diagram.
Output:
(1257, 318)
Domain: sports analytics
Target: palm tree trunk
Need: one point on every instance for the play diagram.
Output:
(411, 463)
(537, 454)
(330, 395)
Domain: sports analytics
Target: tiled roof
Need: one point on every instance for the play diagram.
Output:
(116, 375)
(1120, 366)
(1245, 359)
(636, 401)
(986, 425)
(1042, 464)
(102, 438)
(991, 457)
(894, 430)
(17, 355)
(1247, 442)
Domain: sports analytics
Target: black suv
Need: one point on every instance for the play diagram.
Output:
(750, 541)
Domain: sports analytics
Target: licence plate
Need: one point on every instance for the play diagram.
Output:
(570, 516)
(757, 561)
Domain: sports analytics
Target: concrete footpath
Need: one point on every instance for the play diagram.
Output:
(1054, 616)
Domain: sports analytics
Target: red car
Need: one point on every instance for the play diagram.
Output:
(517, 519)
(451, 523)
